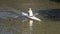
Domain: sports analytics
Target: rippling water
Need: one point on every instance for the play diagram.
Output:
(18, 26)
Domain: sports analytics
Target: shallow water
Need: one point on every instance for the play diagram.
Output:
(17, 26)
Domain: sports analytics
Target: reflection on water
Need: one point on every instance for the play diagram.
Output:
(10, 25)
(18, 26)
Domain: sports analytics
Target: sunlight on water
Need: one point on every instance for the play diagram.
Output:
(22, 26)
(30, 23)
(25, 26)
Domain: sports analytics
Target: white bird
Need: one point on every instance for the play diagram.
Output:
(19, 15)
(28, 15)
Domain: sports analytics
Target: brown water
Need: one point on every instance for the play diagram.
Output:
(15, 26)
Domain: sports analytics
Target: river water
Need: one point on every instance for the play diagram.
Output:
(20, 26)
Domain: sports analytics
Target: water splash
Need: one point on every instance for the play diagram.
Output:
(6, 12)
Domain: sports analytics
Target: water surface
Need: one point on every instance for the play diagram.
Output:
(17, 26)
